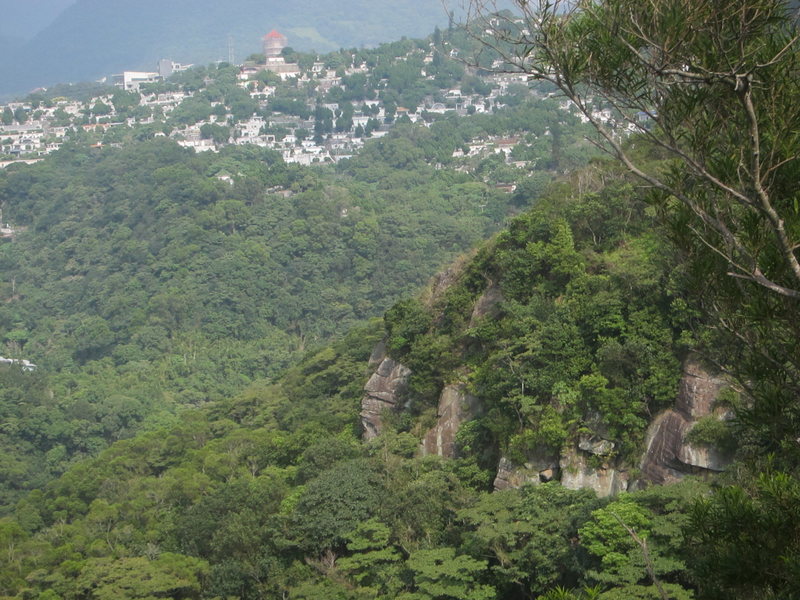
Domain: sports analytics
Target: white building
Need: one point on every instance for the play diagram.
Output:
(131, 80)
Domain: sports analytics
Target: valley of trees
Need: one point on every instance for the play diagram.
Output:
(143, 284)
(192, 430)
(271, 492)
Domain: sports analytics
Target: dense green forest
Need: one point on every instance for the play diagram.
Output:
(222, 335)
(592, 319)
(142, 283)
(271, 492)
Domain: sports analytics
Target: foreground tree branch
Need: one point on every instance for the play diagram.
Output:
(710, 84)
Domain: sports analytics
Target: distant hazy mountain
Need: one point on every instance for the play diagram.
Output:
(22, 19)
(6, 45)
(93, 38)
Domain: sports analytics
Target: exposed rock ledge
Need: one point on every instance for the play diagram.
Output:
(538, 469)
(488, 304)
(382, 392)
(608, 479)
(668, 456)
(456, 406)
(571, 468)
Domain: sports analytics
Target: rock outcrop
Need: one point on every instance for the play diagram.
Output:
(456, 406)
(488, 304)
(668, 456)
(590, 462)
(382, 392)
(536, 470)
(577, 473)
(596, 445)
(573, 467)
(378, 354)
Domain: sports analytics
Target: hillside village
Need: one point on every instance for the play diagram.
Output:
(311, 109)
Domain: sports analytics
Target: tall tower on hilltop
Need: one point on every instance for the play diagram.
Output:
(274, 42)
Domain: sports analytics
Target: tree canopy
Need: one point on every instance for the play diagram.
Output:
(711, 88)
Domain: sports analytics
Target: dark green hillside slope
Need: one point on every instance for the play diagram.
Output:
(271, 493)
(589, 322)
(139, 282)
(140, 275)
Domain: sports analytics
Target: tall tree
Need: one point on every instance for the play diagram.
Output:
(710, 88)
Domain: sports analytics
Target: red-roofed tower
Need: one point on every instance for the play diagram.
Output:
(274, 42)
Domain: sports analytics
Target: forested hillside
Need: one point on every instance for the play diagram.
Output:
(582, 327)
(141, 282)
(271, 492)
(215, 415)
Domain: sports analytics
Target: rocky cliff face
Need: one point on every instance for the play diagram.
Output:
(389, 381)
(487, 304)
(577, 473)
(590, 461)
(668, 456)
(573, 467)
(536, 470)
(456, 406)
(382, 392)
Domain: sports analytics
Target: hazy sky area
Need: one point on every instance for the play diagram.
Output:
(22, 19)
(44, 42)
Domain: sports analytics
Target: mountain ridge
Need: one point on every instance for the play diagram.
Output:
(23, 20)
(93, 38)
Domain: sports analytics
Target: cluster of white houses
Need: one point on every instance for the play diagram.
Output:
(46, 127)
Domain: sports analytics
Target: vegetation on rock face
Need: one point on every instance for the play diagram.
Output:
(584, 337)
(270, 494)
(713, 87)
